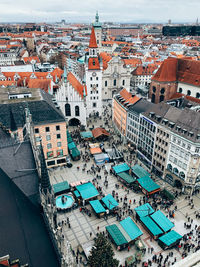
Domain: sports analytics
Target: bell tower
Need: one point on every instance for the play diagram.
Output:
(98, 31)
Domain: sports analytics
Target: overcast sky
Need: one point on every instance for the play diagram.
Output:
(109, 10)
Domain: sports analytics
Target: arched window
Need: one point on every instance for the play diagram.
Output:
(162, 91)
(77, 111)
(182, 175)
(162, 97)
(154, 89)
(123, 82)
(115, 82)
(180, 90)
(169, 167)
(67, 110)
(106, 83)
(153, 98)
(175, 171)
(188, 92)
(197, 95)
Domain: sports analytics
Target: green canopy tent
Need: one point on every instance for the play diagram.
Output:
(127, 178)
(148, 185)
(75, 153)
(116, 236)
(87, 191)
(139, 172)
(121, 168)
(131, 228)
(144, 210)
(61, 188)
(151, 226)
(109, 202)
(169, 240)
(71, 145)
(162, 221)
(97, 207)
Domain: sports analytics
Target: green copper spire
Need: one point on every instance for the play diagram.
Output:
(97, 17)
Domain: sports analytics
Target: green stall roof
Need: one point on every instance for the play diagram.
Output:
(110, 202)
(87, 190)
(148, 184)
(86, 134)
(116, 234)
(121, 168)
(151, 225)
(97, 207)
(162, 221)
(170, 238)
(76, 193)
(60, 187)
(139, 171)
(69, 140)
(144, 210)
(75, 152)
(71, 145)
(131, 228)
(126, 177)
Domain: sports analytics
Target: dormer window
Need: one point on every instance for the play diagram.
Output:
(152, 114)
(191, 134)
(171, 124)
(178, 128)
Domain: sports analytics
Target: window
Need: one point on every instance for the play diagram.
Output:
(37, 139)
(50, 154)
(97, 78)
(106, 83)
(162, 97)
(197, 95)
(47, 129)
(153, 98)
(162, 91)
(60, 152)
(94, 105)
(50, 163)
(97, 85)
(180, 90)
(188, 92)
(77, 111)
(67, 110)
(57, 127)
(114, 82)
(90, 78)
(154, 89)
(49, 146)
(123, 82)
(48, 137)
(59, 144)
(58, 136)
(36, 130)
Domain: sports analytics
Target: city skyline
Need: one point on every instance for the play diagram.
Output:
(137, 11)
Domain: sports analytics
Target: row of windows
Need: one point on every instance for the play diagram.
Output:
(93, 92)
(59, 152)
(94, 98)
(68, 110)
(161, 149)
(180, 152)
(115, 83)
(181, 143)
(180, 90)
(178, 162)
(48, 137)
(49, 145)
(161, 141)
(91, 78)
(164, 133)
(159, 156)
(47, 129)
(91, 85)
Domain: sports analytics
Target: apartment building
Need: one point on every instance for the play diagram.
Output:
(48, 121)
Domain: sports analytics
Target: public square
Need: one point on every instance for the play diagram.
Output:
(83, 228)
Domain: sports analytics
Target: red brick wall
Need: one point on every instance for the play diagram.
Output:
(170, 89)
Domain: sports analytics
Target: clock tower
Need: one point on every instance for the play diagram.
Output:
(93, 74)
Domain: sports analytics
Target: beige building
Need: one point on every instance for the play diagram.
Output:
(48, 121)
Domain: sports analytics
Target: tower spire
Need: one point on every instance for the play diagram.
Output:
(45, 182)
(93, 42)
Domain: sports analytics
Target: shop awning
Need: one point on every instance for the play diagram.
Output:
(148, 184)
(75, 152)
(131, 228)
(87, 190)
(97, 132)
(110, 202)
(151, 225)
(121, 168)
(95, 150)
(144, 210)
(76, 193)
(170, 238)
(97, 207)
(138, 171)
(162, 221)
(86, 135)
(71, 145)
(126, 177)
(116, 235)
(61, 187)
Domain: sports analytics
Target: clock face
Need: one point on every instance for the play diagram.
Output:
(94, 74)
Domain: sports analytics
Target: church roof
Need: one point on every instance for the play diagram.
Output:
(93, 42)
(80, 88)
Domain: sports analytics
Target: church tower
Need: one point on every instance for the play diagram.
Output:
(98, 31)
(93, 75)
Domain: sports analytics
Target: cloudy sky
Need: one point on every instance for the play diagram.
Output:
(109, 10)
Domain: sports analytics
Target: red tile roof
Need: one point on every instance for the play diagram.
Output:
(77, 85)
(99, 131)
(93, 43)
(128, 97)
(93, 63)
(167, 71)
(133, 62)
(190, 98)
(44, 84)
(29, 59)
(145, 70)
(105, 58)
